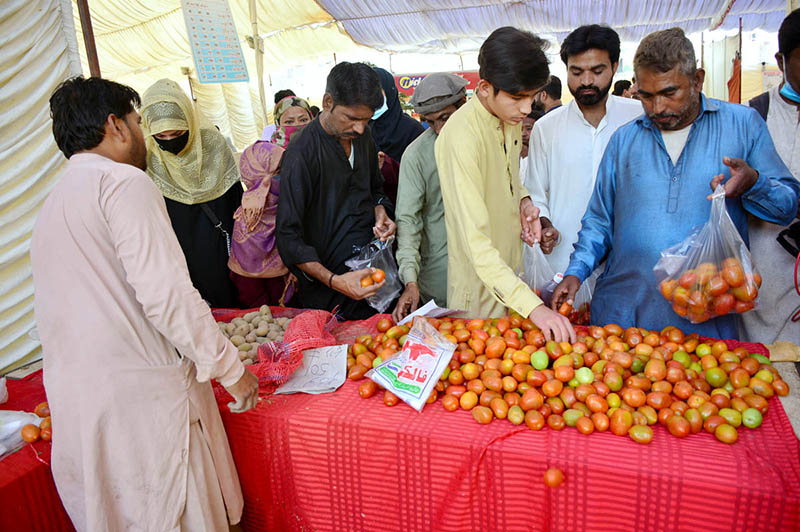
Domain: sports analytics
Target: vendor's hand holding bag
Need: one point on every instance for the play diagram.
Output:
(540, 277)
(711, 273)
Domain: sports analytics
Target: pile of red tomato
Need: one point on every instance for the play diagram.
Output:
(44, 430)
(708, 291)
(624, 381)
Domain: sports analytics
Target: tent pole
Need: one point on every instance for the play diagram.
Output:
(741, 66)
(88, 37)
(258, 46)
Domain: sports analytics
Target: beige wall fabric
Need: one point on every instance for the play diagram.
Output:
(38, 51)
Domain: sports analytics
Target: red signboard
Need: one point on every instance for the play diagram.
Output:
(406, 83)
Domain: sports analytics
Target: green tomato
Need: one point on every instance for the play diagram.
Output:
(573, 382)
(702, 350)
(751, 418)
(518, 331)
(765, 375)
(539, 359)
(683, 357)
(733, 417)
(761, 358)
(696, 367)
(584, 376)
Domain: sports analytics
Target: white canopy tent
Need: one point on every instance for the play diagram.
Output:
(140, 41)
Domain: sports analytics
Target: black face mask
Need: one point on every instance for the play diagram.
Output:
(174, 146)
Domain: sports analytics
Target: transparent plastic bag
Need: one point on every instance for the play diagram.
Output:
(710, 273)
(412, 374)
(11, 423)
(538, 274)
(378, 254)
(540, 278)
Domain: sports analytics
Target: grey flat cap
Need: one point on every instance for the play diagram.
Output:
(437, 91)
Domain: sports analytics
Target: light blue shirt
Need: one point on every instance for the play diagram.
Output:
(642, 203)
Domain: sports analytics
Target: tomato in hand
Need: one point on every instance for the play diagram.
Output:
(378, 275)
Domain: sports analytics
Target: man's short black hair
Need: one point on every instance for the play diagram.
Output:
(314, 111)
(789, 34)
(513, 60)
(588, 37)
(352, 84)
(621, 86)
(553, 88)
(281, 94)
(537, 111)
(80, 107)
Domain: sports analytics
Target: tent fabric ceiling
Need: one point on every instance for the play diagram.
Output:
(461, 25)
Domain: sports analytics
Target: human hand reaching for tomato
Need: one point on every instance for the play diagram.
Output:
(553, 325)
(351, 285)
(408, 302)
(530, 222)
(742, 179)
(384, 226)
(565, 292)
(550, 236)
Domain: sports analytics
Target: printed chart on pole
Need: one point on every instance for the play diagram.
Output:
(215, 44)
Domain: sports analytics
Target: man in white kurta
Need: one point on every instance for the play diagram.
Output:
(567, 144)
(777, 300)
(129, 348)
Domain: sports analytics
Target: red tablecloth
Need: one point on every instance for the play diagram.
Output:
(29, 501)
(338, 462)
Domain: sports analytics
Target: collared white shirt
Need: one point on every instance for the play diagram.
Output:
(565, 152)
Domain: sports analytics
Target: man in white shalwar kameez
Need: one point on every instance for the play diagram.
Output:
(129, 345)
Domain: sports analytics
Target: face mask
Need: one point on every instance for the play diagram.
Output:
(174, 146)
(383, 109)
(787, 91)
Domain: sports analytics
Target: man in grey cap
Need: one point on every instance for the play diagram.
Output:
(421, 232)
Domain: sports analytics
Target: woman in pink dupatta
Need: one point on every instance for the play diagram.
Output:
(257, 269)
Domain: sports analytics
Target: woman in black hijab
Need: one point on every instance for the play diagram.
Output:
(393, 130)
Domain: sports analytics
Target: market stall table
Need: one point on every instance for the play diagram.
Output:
(338, 462)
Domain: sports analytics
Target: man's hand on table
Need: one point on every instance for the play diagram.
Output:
(550, 236)
(349, 284)
(743, 177)
(530, 222)
(553, 325)
(384, 226)
(245, 393)
(408, 302)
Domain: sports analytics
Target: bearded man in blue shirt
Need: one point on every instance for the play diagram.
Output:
(653, 183)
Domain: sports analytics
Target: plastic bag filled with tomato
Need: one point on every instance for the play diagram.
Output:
(711, 273)
(379, 255)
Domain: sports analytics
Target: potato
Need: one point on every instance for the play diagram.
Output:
(230, 328)
(262, 340)
(243, 355)
(237, 340)
(265, 311)
(245, 347)
(238, 321)
(243, 330)
(250, 315)
(261, 330)
(250, 338)
(247, 362)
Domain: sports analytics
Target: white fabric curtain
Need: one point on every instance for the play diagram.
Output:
(37, 51)
(461, 25)
(142, 41)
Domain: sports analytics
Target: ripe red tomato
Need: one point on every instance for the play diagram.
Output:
(378, 275)
(30, 433)
(366, 281)
(553, 477)
(42, 410)
(716, 286)
(688, 279)
(732, 272)
(384, 324)
(723, 304)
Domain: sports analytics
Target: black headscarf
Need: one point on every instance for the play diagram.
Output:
(394, 130)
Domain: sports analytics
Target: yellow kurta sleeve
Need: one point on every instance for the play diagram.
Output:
(465, 174)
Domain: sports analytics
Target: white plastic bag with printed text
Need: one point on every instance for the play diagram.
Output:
(413, 373)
